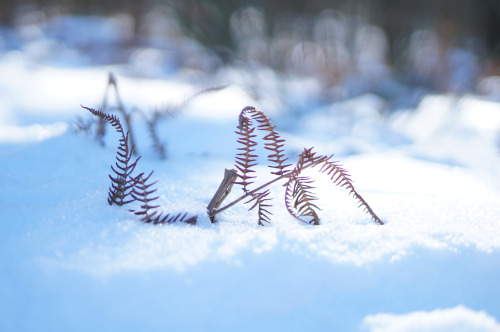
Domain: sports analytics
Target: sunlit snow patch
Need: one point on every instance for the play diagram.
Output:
(31, 133)
(441, 320)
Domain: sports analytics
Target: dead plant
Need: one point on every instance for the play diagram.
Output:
(299, 197)
(126, 188)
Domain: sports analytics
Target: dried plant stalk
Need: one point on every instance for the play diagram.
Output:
(222, 192)
(127, 189)
(298, 193)
(121, 182)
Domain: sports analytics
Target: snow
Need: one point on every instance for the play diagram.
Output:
(69, 261)
(454, 319)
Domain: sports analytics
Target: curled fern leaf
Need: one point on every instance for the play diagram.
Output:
(298, 194)
(246, 159)
(121, 182)
(272, 139)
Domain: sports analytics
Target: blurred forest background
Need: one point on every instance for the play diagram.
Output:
(350, 46)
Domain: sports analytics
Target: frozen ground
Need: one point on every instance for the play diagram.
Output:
(71, 262)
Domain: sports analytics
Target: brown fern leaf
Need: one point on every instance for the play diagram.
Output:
(259, 200)
(340, 177)
(142, 192)
(299, 198)
(298, 195)
(149, 214)
(273, 142)
(121, 183)
(246, 159)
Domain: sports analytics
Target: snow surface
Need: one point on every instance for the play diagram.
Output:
(71, 262)
(455, 319)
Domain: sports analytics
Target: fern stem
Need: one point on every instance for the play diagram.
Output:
(250, 193)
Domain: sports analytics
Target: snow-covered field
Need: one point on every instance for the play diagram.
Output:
(71, 262)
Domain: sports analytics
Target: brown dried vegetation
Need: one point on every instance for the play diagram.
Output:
(126, 188)
(299, 198)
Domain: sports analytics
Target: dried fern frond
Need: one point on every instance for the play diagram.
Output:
(149, 214)
(84, 126)
(121, 182)
(167, 111)
(339, 177)
(298, 193)
(157, 144)
(299, 199)
(246, 159)
(272, 140)
(142, 192)
(259, 200)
